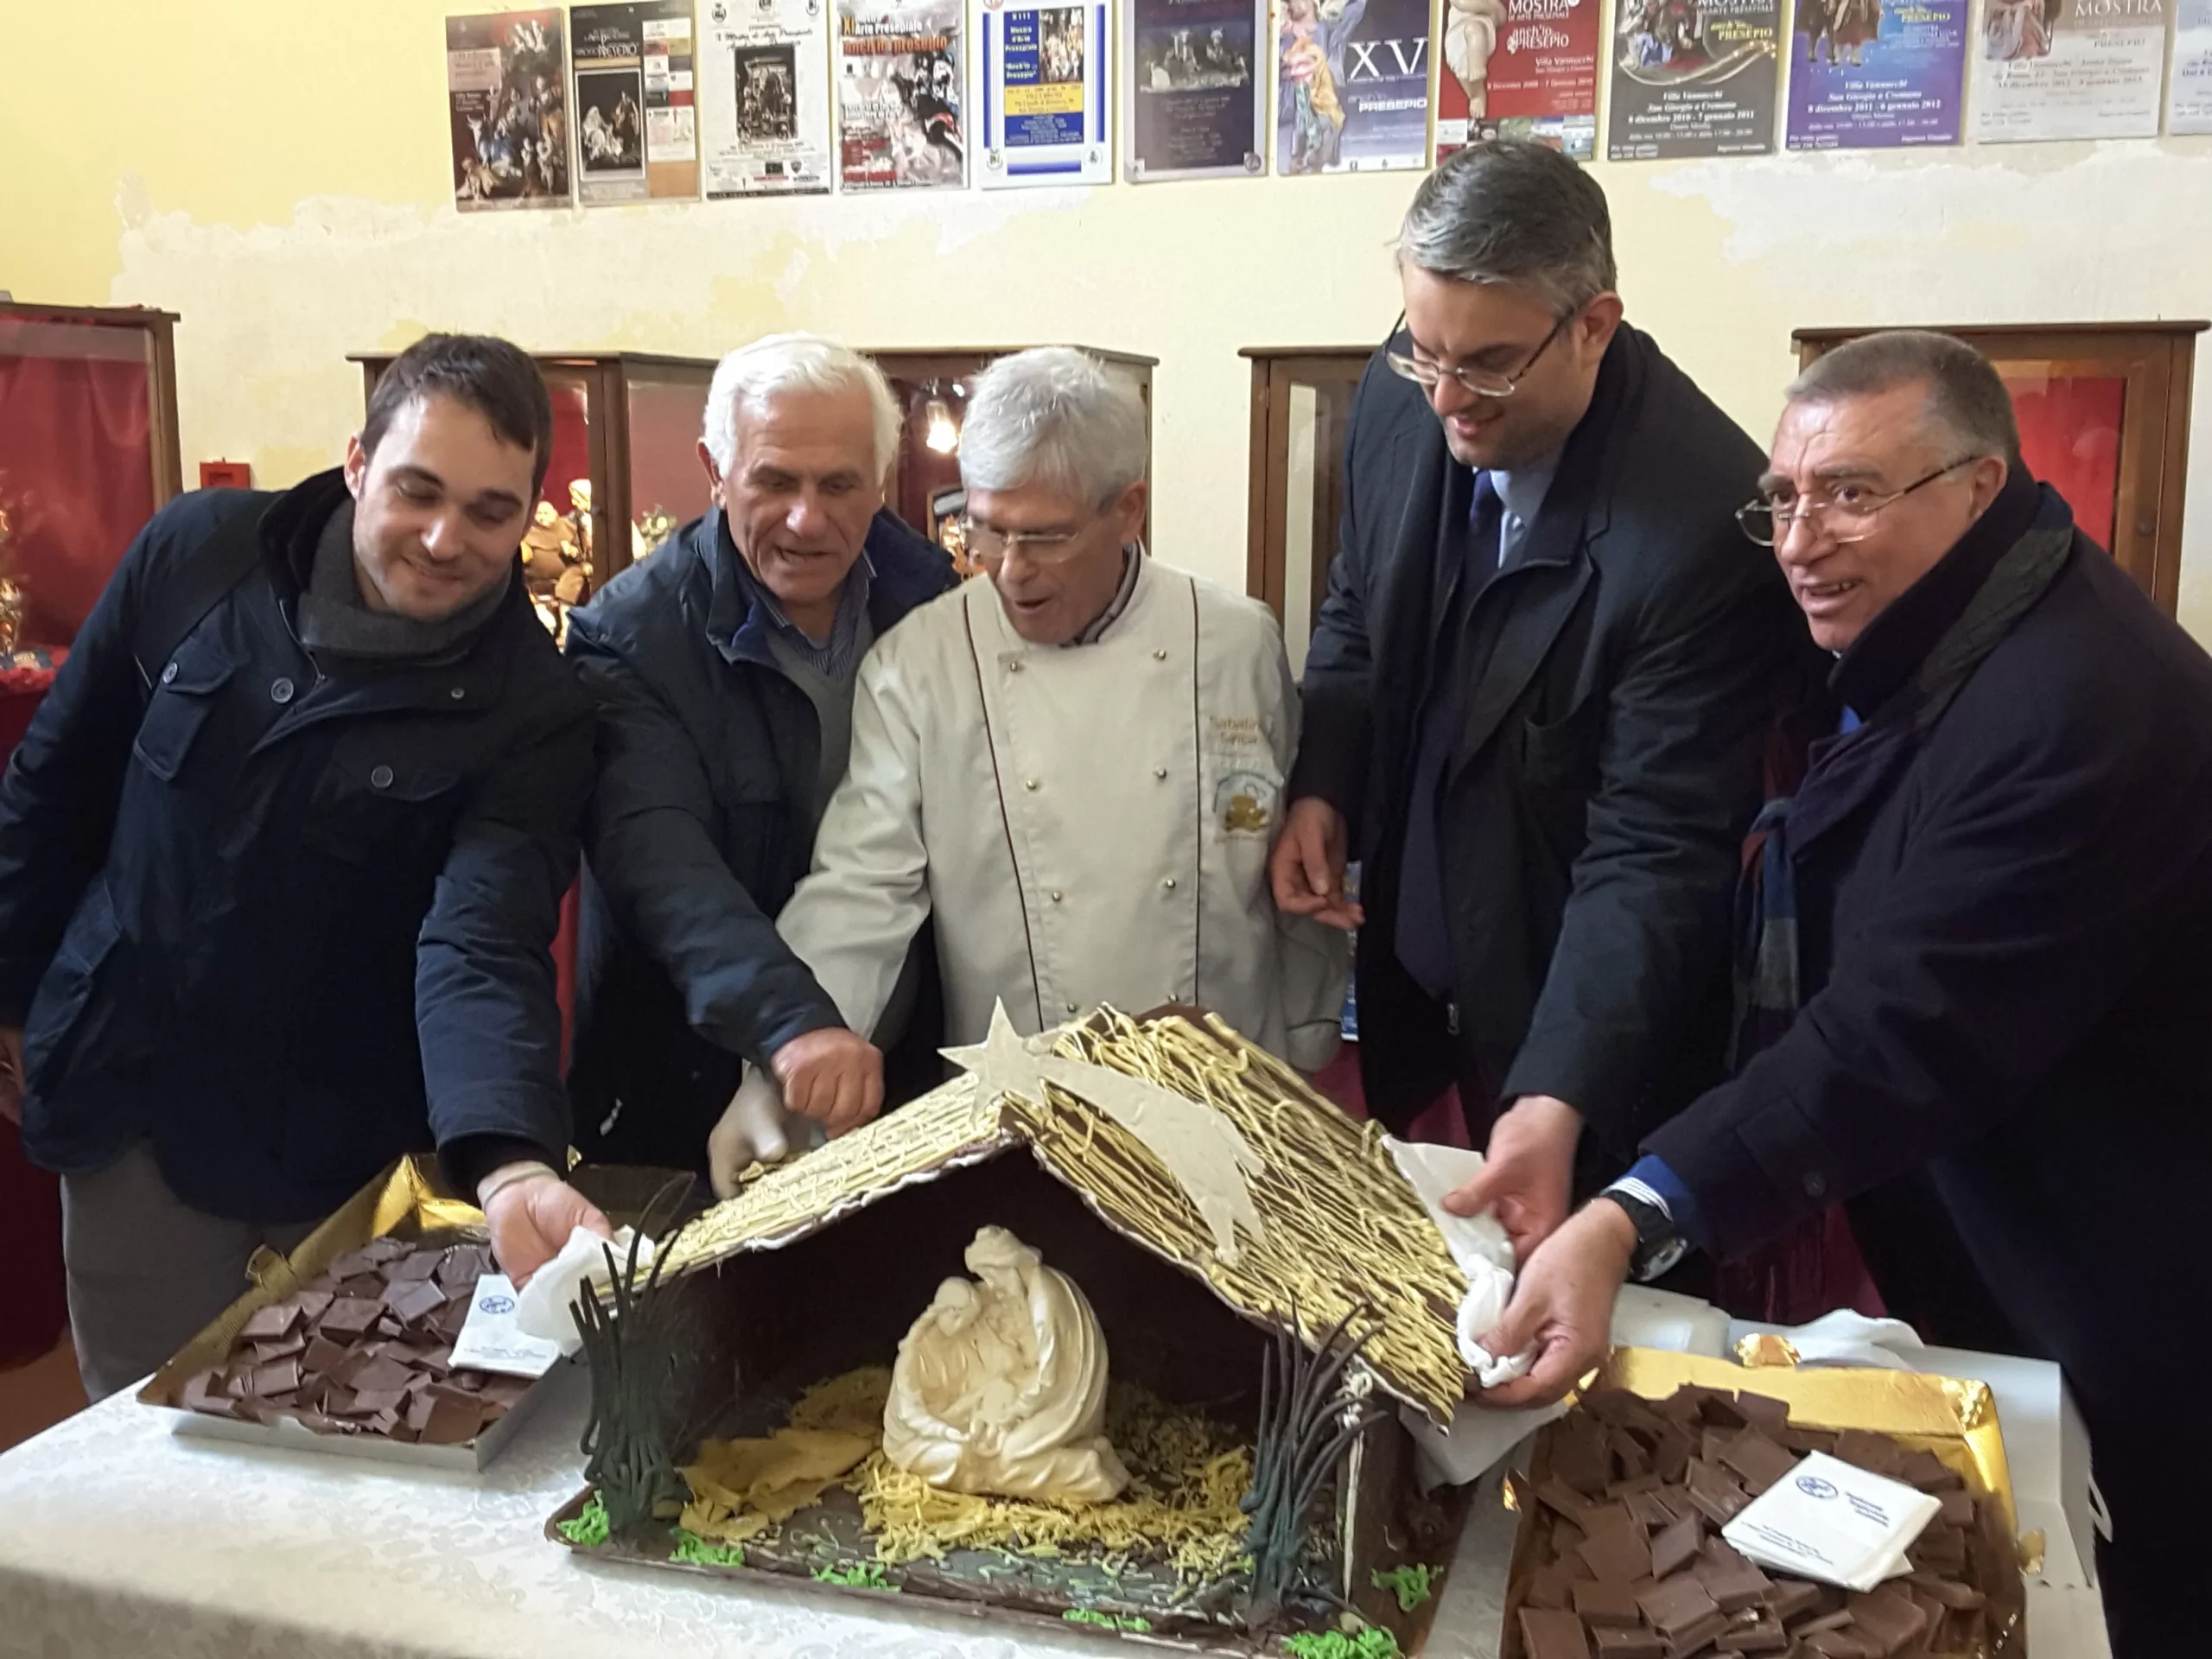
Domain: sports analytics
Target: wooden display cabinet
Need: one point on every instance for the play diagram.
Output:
(88, 450)
(625, 426)
(1302, 408)
(931, 386)
(2104, 418)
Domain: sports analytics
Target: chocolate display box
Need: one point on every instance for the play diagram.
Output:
(345, 1345)
(1621, 1553)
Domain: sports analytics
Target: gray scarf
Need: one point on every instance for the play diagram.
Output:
(333, 619)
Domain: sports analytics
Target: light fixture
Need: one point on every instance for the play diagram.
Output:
(940, 433)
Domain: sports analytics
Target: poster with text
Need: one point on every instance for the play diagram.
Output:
(1351, 88)
(899, 90)
(764, 97)
(507, 96)
(1518, 69)
(2189, 83)
(1693, 77)
(635, 138)
(1876, 74)
(1043, 91)
(1194, 88)
(2069, 69)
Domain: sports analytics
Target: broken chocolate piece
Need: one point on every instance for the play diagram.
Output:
(1715, 1492)
(1958, 1507)
(1697, 1637)
(270, 1324)
(1561, 1498)
(279, 1377)
(1759, 1460)
(349, 1316)
(1733, 1582)
(1888, 1618)
(1878, 1454)
(323, 1356)
(414, 1298)
(1619, 1555)
(1552, 1587)
(1614, 1643)
(1676, 1546)
(1607, 1604)
(1579, 1457)
(1948, 1592)
(1675, 1605)
(1754, 1630)
(421, 1264)
(1924, 1469)
(1790, 1599)
(1552, 1634)
(453, 1419)
(1651, 1511)
(1764, 1411)
(380, 1374)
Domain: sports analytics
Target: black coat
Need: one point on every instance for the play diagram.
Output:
(2006, 954)
(286, 920)
(701, 827)
(1631, 661)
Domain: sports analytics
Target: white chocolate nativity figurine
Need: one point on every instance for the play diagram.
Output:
(1000, 1387)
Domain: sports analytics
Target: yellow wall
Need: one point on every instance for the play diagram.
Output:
(275, 170)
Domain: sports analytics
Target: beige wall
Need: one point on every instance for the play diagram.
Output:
(275, 171)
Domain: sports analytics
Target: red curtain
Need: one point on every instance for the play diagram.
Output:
(2069, 436)
(34, 1300)
(76, 469)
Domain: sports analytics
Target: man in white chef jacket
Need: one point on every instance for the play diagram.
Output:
(1076, 765)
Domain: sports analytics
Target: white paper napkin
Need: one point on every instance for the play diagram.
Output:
(542, 1309)
(1830, 1521)
(1477, 1244)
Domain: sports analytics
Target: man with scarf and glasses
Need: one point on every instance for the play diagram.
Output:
(1977, 949)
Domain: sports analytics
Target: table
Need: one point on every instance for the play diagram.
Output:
(123, 1539)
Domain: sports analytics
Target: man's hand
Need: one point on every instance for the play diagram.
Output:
(532, 1213)
(1528, 1174)
(1563, 1305)
(833, 1075)
(1307, 866)
(11, 1074)
(753, 1128)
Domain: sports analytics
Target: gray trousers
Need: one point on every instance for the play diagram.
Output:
(147, 1271)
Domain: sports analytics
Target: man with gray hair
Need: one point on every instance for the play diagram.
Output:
(1537, 693)
(723, 667)
(1075, 766)
(1979, 951)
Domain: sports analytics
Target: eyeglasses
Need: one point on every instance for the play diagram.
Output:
(1484, 382)
(990, 548)
(1847, 515)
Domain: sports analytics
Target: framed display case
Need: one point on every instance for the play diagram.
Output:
(88, 450)
(931, 386)
(1302, 404)
(625, 470)
(2104, 418)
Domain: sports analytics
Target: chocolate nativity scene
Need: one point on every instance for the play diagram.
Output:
(1112, 1330)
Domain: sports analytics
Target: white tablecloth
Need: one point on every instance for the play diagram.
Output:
(120, 1538)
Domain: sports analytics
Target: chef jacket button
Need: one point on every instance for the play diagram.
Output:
(1070, 1007)
(1815, 1183)
(1169, 884)
(1158, 656)
(1160, 772)
(168, 674)
(280, 691)
(1013, 665)
(458, 693)
(1056, 895)
(1032, 783)
(380, 779)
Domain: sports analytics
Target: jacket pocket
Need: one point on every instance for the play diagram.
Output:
(183, 697)
(1562, 754)
(61, 1008)
(381, 803)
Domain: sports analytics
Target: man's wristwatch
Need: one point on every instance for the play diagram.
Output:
(1659, 1242)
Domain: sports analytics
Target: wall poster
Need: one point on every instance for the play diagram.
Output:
(1044, 90)
(764, 97)
(900, 88)
(2069, 69)
(1193, 100)
(2189, 83)
(1353, 86)
(506, 99)
(1876, 74)
(635, 137)
(1518, 69)
(1693, 77)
